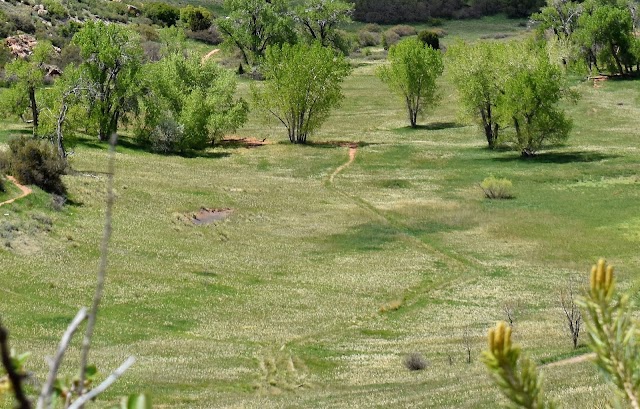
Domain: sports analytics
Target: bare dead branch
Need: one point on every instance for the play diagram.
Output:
(47, 389)
(14, 377)
(572, 313)
(466, 342)
(102, 267)
(509, 311)
(104, 385)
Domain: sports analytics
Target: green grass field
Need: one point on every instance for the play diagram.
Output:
(291, 301)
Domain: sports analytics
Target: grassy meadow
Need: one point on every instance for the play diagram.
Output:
(313, 291)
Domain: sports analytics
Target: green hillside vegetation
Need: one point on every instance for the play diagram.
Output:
(360, 265)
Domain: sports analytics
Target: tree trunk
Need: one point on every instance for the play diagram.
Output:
(413, 118)
(615, 57)
(59, 142)
(34, 109)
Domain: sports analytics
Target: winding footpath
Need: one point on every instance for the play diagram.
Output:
(569, 361)
(25, 191)
(353, 149)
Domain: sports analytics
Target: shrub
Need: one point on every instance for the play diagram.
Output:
(2, 188)
(35, 162)
(162, 13)
(209, 36)
(368, 38)
(167, 136)
(55, 9)
(372, 28)
(495, 188)
(404, 30)
(429, 38)
(390, 38)
(196, 18)
(147, 32)
(415, 362)
(22, 22)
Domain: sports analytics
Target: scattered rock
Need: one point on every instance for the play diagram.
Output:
(21, 45)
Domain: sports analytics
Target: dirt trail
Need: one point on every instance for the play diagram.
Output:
(25, 191)
(569, 361)
(353, 149)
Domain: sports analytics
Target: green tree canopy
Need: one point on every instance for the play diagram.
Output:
(303, 83)
(478, 72)
(189, 103)
(27, 76)
(412, 72)
(253, 25)
(318, 20)
(196, 18)
(112, 61)
(530, 98)
(607, 34)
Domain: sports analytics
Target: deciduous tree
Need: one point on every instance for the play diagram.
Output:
(253, 25)
(530, 99)
(27, 77)
(412, 72)
(189, 103)
(303, 83)
(478, 72)
(112, 61)
(318, 20)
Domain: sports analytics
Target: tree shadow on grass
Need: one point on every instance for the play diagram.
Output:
(330, 144)
(434, 126)
(559, 157)
(133, 145)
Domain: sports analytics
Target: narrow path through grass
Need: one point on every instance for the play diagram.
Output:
(24, 189)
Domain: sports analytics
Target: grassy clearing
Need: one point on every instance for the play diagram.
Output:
(313, 293)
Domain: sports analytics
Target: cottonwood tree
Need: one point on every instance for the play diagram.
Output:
(27, 77)
(412, 72)
(529, 100)
(560, 16)
(478, 72)
(112, 62)
(318, 20)
(303, 84)
(189, 103)
(606, 34)
(253, 25)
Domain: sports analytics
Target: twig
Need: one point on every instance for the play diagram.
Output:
(102, 267)
(54, 366)
(14, 377)
(104, 385)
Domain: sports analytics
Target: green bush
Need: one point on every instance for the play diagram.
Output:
(21, 22)
(162, 13)
(430, 38)
(495, 188)
(196, 18)
(56, 9)
(35, 162)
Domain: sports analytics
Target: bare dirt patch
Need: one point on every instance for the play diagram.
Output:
(206, 216)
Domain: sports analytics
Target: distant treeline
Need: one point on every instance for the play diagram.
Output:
(410, 11)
